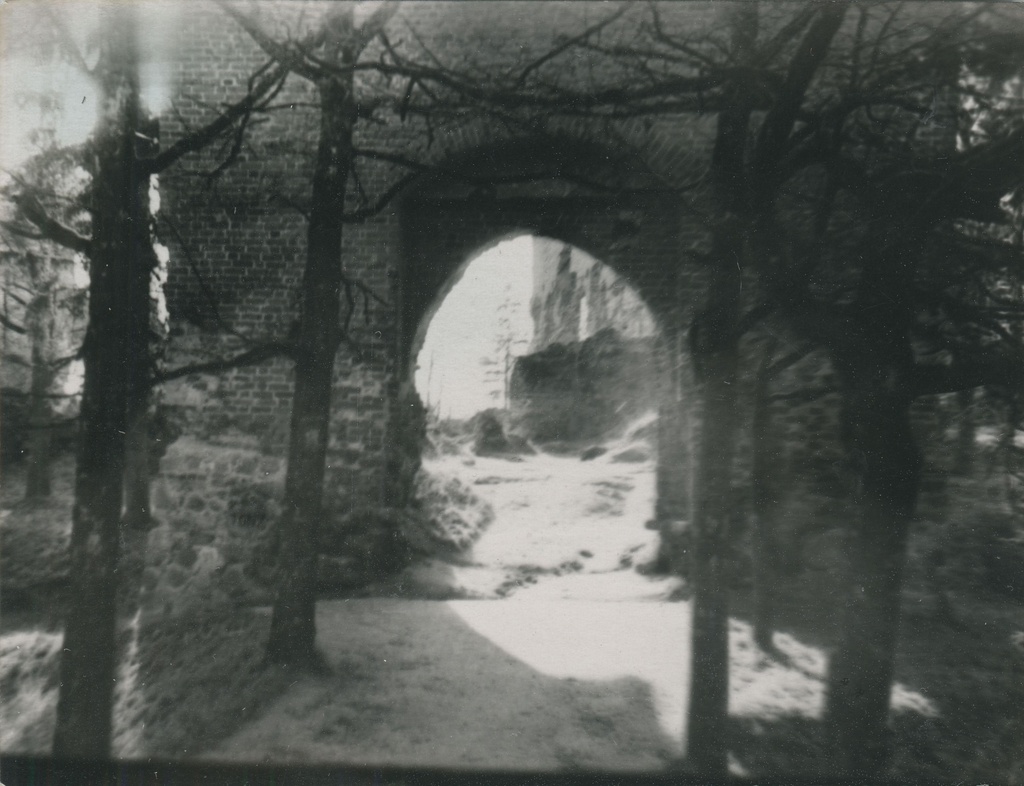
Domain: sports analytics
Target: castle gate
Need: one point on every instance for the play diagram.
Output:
(237, 240)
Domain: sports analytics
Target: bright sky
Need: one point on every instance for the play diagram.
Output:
(466, 328)
(25, 69)
(18, 120)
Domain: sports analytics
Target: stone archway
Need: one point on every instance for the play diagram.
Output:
(556, 294)
(550, 470)
(637, 229)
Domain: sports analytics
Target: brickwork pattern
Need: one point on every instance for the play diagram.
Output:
(238, 241)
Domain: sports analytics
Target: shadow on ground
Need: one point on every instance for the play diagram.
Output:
(414, 684)
(958, 702)
(185, 684)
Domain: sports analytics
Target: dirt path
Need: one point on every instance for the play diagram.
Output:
(546, 674)
(569, 657)
(563, 529)
(484, 684)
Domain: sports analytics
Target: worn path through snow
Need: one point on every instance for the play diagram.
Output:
(541, 671)
(483, 684)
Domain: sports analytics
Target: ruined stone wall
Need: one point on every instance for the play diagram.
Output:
(237, 244)
(557, 295)
(584, 390)
(575, 297)
(215, 503)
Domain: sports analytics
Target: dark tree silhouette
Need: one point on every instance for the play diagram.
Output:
(327, 59)
(121, 258)
(836, 180)
(393, 83)
(119, 369)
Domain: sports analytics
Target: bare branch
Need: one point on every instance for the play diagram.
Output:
(374, 24)
(778, 123)
(967, 374)
(367, 292)
(62, 362)
(20, 301)
(673, 43)
(289, 59)
(51, 229)
(567, 44)
(10, 325)
(271, 83)
(787, 33)
(14, 229)
(68, 41)
(359, 216)
(794, 357)
(250, 357)
(467, 177)
(211, 299)
(682, 93)
(239, 139)
(754, 316)
(802, 396)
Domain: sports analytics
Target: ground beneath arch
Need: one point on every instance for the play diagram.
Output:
(484, 684)
(550, 675)
(564, 656)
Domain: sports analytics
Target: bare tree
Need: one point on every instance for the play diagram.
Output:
(714, 337)
(832, 179)
(885, 207)
(360, 76)
(338, 43)
(119, 369)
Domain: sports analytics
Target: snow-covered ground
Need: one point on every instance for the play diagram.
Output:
(535, 670)
(563, 528)
(544, 649)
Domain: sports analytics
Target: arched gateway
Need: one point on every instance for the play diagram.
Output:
(239, 241)
(633, 229)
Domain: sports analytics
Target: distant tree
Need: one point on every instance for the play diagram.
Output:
(52, 310)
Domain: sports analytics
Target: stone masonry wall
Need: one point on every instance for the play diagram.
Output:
(575, 296)
(215, 504)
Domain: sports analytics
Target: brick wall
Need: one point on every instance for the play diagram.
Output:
(238, 241)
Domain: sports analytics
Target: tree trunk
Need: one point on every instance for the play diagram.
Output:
(40, 424)
(963, 458)
(764, 507)
(137, 474)
(716, 357)
(673, 508)
(881, 446)
(293, 626)
(119, 268)
(714, 345)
